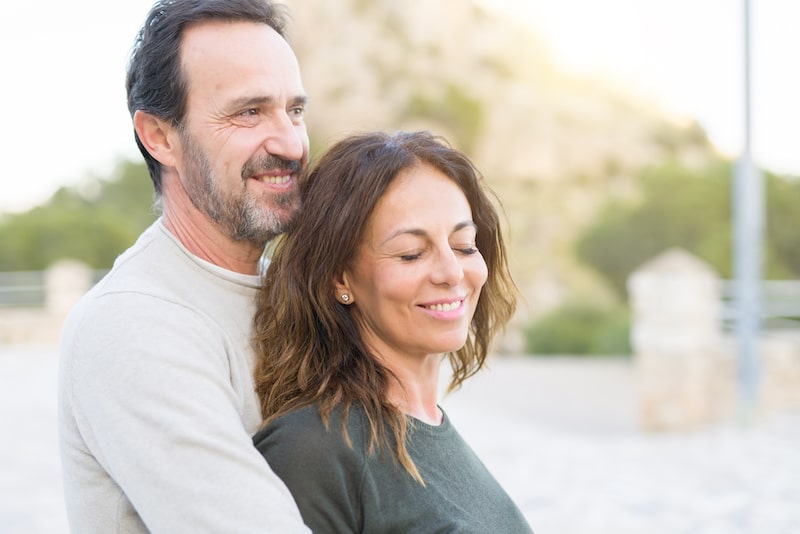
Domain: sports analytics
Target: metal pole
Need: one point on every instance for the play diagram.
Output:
(748, 208)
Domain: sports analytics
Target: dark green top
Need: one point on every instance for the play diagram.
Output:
(341, 489)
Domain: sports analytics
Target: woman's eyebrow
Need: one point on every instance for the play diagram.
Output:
(419, 232)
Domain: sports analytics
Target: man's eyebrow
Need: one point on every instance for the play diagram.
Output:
(299, 100)
(252, 101)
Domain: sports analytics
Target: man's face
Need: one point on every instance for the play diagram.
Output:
(244, 139)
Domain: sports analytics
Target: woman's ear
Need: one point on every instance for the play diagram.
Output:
(155, 135)
(341, 287)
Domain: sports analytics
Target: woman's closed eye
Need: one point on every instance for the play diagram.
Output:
(466, 249)
(410, 257)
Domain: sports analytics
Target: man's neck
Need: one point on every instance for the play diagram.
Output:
(203, 238)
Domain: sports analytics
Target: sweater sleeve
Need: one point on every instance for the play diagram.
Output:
(153, 400)
(323, 473)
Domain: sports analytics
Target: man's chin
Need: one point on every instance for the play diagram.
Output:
(269, 224)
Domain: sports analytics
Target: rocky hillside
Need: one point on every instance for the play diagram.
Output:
(552, 146)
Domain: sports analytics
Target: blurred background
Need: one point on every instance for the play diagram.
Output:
(619, 400)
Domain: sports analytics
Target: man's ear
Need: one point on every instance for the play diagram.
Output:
(341, 285)
(156, 135)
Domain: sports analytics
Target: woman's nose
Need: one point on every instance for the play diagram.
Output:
(447, 268)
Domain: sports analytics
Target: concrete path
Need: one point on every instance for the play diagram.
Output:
(559, 434)
(562, 438)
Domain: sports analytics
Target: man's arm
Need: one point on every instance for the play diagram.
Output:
(153, 399)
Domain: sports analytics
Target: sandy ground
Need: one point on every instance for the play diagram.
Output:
(559, 434)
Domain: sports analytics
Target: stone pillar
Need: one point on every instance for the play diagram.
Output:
(66, 281)
(676, 339)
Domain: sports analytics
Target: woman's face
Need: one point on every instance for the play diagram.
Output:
(417, 276)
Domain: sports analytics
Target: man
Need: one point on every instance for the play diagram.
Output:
(156, 400)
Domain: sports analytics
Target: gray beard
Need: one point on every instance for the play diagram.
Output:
(242, 216)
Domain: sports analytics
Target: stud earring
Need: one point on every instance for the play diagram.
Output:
(345, 298)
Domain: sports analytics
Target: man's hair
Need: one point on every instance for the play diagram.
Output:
(155, 81)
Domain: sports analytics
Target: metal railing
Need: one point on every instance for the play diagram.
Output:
(28, 289)
(780, 304)
(22, 289)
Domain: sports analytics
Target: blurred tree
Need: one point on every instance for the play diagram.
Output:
(680, 207)
(580, 327)
(93, 222)
(783, 227)
(455, 109)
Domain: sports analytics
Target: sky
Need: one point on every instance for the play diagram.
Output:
(688, 57)
(63, 67)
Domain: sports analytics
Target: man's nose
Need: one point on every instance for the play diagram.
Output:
(286, 138)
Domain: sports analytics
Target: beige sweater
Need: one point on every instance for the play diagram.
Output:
(156, 401)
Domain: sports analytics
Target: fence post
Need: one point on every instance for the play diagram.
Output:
(676, 339)
(66, 281)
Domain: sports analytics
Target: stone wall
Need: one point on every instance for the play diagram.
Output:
(686, 364)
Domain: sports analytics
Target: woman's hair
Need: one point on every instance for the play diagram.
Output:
(308, 344)
(155, 81)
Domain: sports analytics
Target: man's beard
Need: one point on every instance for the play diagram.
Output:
(241, 215)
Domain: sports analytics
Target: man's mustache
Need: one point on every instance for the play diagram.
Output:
(265, 164)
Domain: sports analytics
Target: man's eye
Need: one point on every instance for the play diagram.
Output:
(250, 112)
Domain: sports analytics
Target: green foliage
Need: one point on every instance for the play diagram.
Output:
(679, 208)
(783, 227)
(691, 210)
(580, 328)
(93, 223)
(458, 112)
(673, 139)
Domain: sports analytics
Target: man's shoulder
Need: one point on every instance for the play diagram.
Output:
(151, 261)
(154, 271)
(150, 289)
(136, 285)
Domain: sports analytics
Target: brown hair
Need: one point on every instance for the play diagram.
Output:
(308, 344)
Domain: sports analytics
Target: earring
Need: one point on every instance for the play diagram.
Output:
(345, 298)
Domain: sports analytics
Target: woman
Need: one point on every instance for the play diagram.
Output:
(396, 261)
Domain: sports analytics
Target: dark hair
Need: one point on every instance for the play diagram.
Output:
(308, 345)
(155, 82)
